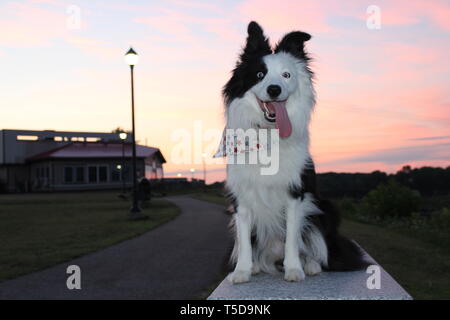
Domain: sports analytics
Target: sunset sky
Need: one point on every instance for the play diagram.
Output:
(383, 94)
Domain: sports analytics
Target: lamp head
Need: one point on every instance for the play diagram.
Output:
(131, 57)
(123, 135)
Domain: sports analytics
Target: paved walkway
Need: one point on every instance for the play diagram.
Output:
(177, 260)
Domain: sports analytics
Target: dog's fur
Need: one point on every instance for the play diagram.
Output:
(280, 218)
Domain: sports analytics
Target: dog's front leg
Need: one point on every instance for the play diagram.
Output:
(293, 270)
(243, 269)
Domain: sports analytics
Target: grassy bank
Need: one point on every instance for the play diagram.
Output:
(41, 230)
(420, 266)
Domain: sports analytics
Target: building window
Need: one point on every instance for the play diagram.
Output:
(102, 174)
(27, 138)
(98, 174)
(93, 139)
(71, 174)
(79, 174)
(116, 173)
(92, 174)
(68, 174)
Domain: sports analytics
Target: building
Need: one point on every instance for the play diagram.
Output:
(58, 161)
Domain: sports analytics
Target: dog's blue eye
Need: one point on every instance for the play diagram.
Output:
(260, 75)
(286, 75)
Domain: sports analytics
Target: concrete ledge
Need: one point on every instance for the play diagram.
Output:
(325, 286)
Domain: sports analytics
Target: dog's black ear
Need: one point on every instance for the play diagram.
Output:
(257, 44)
(293, 43)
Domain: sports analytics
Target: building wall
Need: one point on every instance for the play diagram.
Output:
(154, 168)
(14, 178)
(2, 148)
(81, 174)
(3, 179)
(50, 175)
(15, 151)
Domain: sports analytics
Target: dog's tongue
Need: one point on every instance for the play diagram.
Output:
(283, 123)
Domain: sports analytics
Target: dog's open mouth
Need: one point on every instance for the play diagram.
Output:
(275, 111)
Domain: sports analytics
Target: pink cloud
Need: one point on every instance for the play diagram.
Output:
(183, 27)
(314, 16)
(287, 15)
(50, 2)
(196, 5)
(407, 12)
(169, 22)
(101, 49)
(26, 25)
(413, 53)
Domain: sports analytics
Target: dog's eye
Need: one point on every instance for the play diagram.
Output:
(286, 75)
(260, 75)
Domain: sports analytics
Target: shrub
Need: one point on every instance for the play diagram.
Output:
(391, 199)
(347, 206)
(441, 219)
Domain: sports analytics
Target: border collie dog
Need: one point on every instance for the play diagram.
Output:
(280, 221)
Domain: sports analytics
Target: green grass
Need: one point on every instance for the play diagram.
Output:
(418, 259)
(421, 267)
(41, 230)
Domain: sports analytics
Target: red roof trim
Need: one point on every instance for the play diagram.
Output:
(102, 152)
(46, 154)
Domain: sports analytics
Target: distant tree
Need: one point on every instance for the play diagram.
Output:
(354, 185)
(391, 199)
(119, 130)
(427, 180)
(406, 169)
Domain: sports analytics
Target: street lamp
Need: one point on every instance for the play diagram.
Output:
(204, 167)
(131, 58)
(192, 174)
(123, 137)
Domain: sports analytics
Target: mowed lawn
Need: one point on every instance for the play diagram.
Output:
(418, 260)
(41, 230)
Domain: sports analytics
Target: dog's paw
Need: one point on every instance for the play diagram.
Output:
(255, 269)
(312, 268)
(294, 275)
(239, 276)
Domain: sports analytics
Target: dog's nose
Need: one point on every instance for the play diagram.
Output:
(273, 90)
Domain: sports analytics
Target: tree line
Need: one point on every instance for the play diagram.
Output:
(427, 180)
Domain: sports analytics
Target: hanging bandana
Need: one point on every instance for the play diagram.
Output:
(235, 143)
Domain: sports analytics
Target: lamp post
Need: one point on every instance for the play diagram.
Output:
(123, 137)
(204, 167)
(192, 174)
(131, 58)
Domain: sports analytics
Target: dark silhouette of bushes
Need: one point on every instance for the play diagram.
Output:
(427, 180)
(391, 200)
(355, 185)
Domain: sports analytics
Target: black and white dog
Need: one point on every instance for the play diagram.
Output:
(280, 220)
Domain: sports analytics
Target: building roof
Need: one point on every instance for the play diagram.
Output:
(87, 150)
